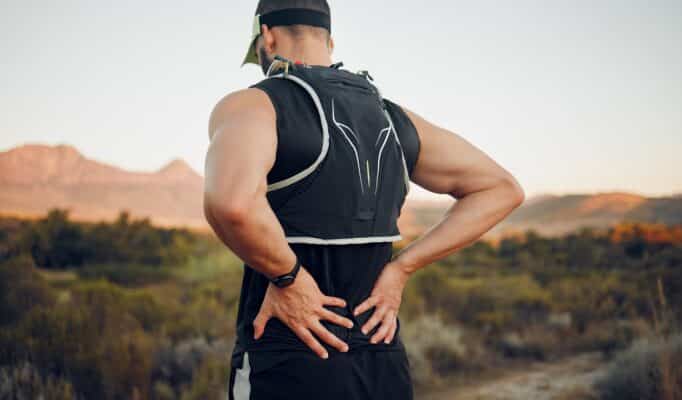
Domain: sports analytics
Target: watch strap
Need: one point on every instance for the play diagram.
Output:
(288, 278)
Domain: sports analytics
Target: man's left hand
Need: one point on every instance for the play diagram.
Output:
(386, 296)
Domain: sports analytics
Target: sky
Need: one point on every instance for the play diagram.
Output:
(569, 96)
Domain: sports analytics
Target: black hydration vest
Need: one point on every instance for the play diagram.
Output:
(353, 191)
(322, 200)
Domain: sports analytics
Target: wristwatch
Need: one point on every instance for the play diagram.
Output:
(288, 278)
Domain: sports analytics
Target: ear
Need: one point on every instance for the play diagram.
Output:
(268, 38)
(331, 45)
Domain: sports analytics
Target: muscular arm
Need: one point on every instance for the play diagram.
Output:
(486, 193)
(243, 145)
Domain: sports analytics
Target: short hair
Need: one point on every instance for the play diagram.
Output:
(298, 30)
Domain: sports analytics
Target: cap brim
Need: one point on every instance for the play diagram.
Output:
(251, 55)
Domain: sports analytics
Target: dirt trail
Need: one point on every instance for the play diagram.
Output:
(539, 381)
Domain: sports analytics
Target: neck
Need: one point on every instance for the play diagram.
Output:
(311, 52)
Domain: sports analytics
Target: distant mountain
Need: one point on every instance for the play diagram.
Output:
(36, 177)
(556, 215)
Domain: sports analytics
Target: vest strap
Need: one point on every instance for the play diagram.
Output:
(325, 135)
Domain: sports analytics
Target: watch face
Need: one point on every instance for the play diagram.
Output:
(284, 281)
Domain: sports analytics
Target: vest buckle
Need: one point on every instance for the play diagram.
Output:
(281, 62)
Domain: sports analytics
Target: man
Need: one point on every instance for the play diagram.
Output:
(306, 173)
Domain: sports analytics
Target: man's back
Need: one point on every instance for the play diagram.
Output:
(336, 186)
(346, 270)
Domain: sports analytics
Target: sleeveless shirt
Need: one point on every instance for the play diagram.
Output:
(342, 268)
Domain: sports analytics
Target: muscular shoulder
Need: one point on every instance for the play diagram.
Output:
(240, 106)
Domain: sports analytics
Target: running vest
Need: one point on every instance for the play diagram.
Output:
(347, 185)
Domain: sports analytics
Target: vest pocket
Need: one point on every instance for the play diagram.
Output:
(364, 214)
(366, 205)
(367, 197)
(391, 190)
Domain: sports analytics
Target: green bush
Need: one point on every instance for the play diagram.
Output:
(130, 275)
(93, 341)
(24, 381)
(494, 301)
(435, 350)
(56, 242)
(210, 380)
(651, 369)
(21, 289)
(148, 312)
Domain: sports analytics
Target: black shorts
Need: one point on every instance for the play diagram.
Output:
(301, 375)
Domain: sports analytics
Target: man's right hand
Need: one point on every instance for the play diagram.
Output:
(301, 307)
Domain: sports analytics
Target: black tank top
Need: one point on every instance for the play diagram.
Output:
(344, 259)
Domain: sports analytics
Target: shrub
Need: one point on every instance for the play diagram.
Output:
(434, 349)
(210, 380)
(130, 275)
(25, 382)
(513, 345)
(21, 288)
(608, 336)
(178, 364)
(92, 341)
(651, 369)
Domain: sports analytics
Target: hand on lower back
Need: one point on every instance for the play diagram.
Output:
(386, 297)
(301, 307)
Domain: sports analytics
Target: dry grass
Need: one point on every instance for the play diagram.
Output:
(652, 367)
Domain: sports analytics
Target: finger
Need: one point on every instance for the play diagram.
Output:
(334, 301)
(377, 316)
(391, 332)
(370, 302)
(383, 329)
(259, 324)
(335, 318)
(323, 333)
(308, 338)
